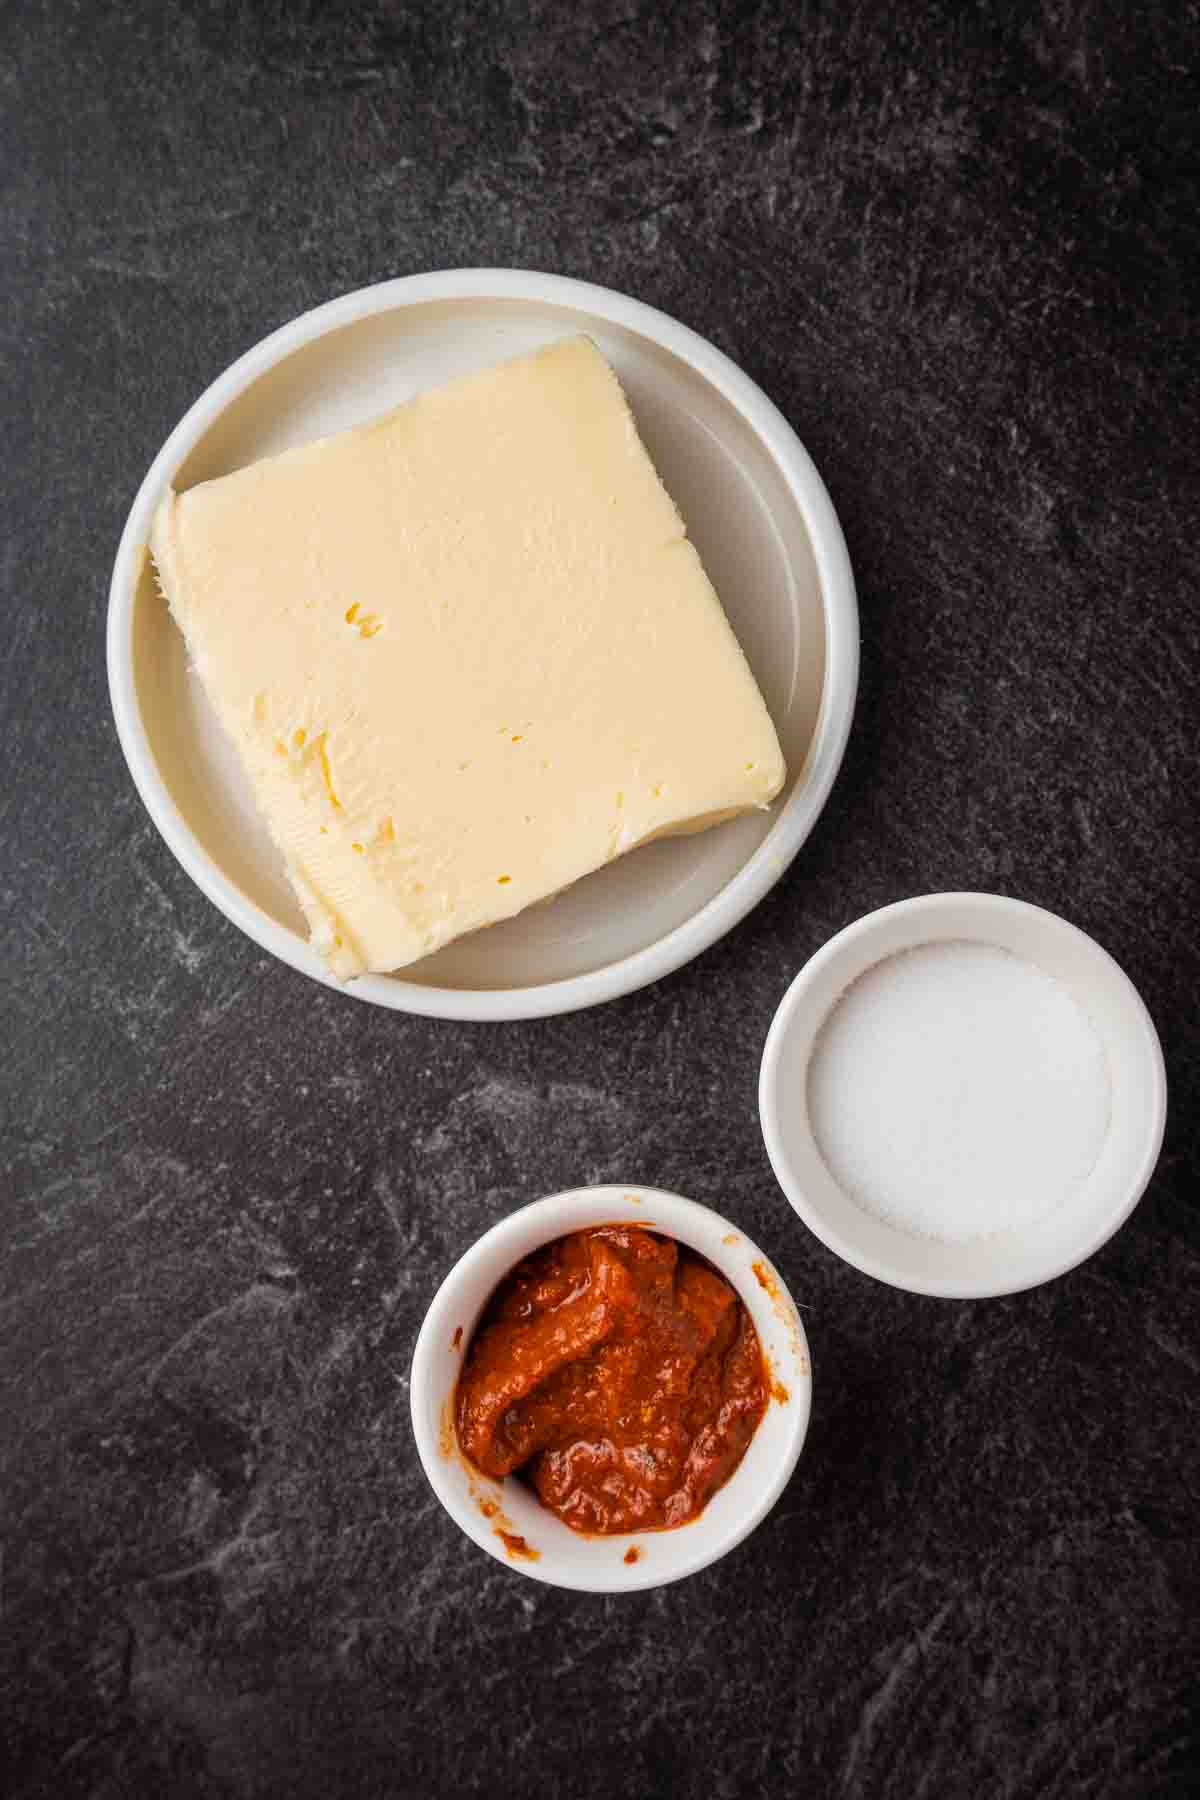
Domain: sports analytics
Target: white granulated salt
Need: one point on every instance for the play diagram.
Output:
(956, 1090)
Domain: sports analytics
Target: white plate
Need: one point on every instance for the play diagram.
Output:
(754, 505)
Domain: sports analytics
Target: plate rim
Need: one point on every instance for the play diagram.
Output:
(796, 818)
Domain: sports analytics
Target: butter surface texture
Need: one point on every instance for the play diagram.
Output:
(467, 655)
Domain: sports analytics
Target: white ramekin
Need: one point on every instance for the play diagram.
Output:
(1004, 1262)
(494, 1513)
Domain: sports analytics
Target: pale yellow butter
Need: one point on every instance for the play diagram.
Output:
(467, 654)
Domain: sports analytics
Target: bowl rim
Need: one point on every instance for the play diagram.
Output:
(851, 947)
(795, 818)
(539, 1222)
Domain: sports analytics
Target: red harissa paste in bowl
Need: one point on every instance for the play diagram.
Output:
(620, 1374)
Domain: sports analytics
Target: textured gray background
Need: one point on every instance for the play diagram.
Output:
(959, 248)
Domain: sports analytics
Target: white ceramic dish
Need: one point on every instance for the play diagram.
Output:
(487, 1510)
(753, 503)
(1004, 1262)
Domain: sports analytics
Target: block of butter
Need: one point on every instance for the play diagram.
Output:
(467, 655)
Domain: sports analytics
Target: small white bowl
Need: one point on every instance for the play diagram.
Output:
(494, 1512)
(1004, 1262)
(755, 507)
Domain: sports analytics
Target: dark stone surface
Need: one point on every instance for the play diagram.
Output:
(959, 247)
